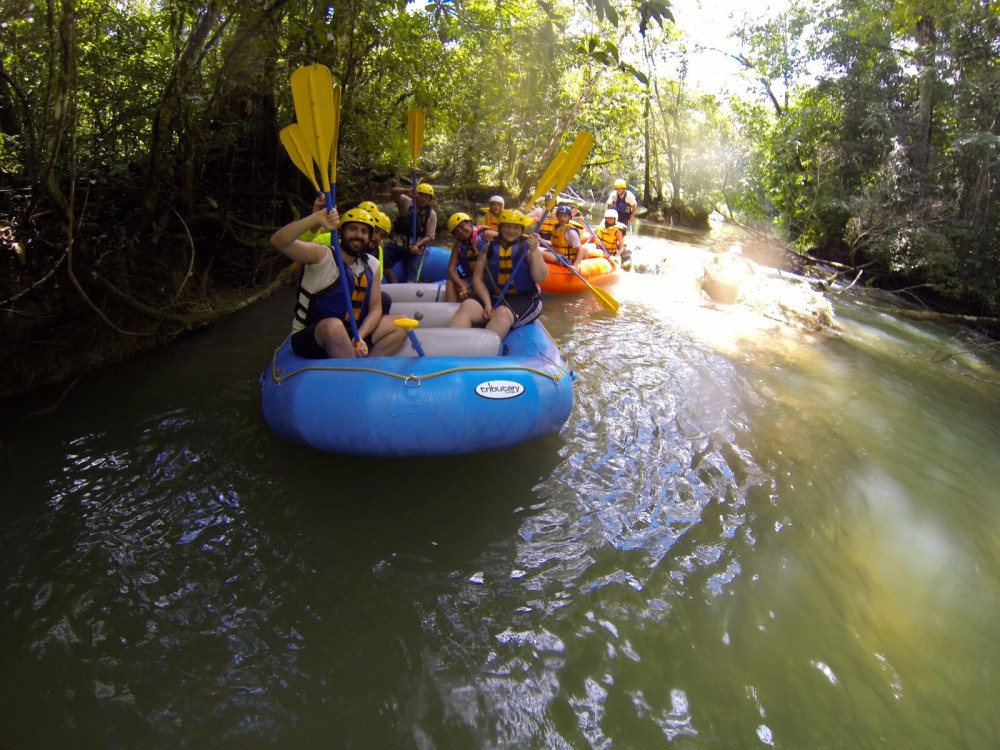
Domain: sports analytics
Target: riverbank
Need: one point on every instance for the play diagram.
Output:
(54, 351)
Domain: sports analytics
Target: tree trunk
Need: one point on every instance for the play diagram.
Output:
(243, 106)
(63, 109)
(647, 117)
(981, 321)
(927, 76)
(557, 136)
(160, 146)
(672, 149)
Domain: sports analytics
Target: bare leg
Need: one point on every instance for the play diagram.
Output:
(387, 338)
(501, 321)
(469, 314)
(332, 335)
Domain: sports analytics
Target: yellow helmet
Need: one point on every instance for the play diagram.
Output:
(381, 221)
(511, 216)
(358, 215)
(426, 189)
(368, 206)
(457, 219)
(620, 183)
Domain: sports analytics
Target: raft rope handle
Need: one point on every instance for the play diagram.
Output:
(279, 377)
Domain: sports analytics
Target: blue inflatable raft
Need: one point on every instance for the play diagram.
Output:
(471, 392)
(432, 267)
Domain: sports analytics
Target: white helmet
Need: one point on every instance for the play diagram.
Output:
(611, 214)
(496, 199)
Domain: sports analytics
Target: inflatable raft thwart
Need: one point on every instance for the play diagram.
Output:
(471, 392)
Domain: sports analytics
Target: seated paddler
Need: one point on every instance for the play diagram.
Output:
(505, 280)
(322, 326)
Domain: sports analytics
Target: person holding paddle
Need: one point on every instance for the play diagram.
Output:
(565, 239)
(505, 280)
(380, 231)
(609, 234)
(406, 242)
(320, 328)
(381, 226)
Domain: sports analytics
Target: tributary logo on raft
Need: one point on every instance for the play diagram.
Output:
(499, 389)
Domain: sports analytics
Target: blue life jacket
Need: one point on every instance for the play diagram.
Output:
(404, 222)
(329, 302)
(500, 261)
(623, 208)
(468, 252)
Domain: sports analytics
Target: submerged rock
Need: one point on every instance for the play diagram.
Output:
(723, 277)
(731, 279)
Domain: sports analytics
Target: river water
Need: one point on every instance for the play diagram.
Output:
(744, 536)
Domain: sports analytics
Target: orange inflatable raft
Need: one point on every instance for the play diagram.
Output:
(597, 268)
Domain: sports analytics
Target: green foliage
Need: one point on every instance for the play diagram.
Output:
(185, 100)
(874, 134)
(648, 11)
(773, 52)
(889, 155)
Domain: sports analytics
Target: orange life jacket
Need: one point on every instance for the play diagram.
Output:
(561, 245)
(610, 237)
(550, 223)
(489, 221)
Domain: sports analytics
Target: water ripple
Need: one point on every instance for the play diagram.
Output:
(653, 503)
(192, 593)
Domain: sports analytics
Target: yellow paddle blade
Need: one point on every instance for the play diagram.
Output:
(303, 106)
(294, 143)
(415, 121)
(548, 178)
(312, 95)
(575, 158)
(336, 134)
(607, 301)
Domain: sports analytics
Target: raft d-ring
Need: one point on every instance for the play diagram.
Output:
(412, 381)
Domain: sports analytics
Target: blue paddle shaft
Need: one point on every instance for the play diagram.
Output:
(564, 261)
(330, 203)
(599, 243)
(413, 206)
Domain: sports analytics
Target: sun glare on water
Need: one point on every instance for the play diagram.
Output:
(754, 310)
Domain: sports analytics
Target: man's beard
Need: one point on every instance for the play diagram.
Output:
(354, 246)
